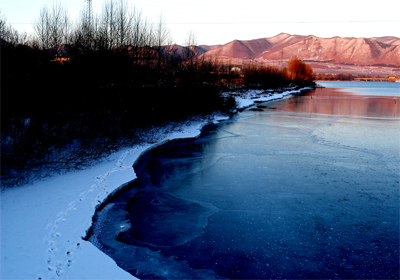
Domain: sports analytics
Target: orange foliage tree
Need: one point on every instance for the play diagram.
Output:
(298, 70)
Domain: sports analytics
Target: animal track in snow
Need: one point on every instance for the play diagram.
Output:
(58, 262)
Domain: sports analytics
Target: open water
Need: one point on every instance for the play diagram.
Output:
(305, 187)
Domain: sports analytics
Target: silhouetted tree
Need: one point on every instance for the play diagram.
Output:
(9, 34)
(53, 26)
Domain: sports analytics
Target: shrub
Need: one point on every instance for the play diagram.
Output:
(298, 70)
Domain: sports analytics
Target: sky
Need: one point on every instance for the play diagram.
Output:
(219, 22)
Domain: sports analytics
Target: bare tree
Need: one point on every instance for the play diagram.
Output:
(65, 25)
(117, 26)
(139, 35)
(161, 38)
(41, 28)
(2, 25)
(125, 19)
(9, 34)
(85, 32)
(189, 58)
(53, 26)
(108, 24)
(189, 44)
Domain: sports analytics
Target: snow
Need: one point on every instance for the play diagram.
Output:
(42, 223)
(249, 97)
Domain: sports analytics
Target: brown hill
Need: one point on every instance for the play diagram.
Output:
(209, 48)
(390, 40)
(356, 51)
(181, 53)
(234, 49)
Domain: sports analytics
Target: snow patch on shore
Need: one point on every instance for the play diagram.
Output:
(42, 224)
(249, 98)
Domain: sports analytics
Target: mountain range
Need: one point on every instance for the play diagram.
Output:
(324, 53)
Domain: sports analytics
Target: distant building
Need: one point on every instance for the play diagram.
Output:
(61, 59)
(235, 68)
(392, 79)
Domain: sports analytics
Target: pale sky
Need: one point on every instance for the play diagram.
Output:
(219, 22)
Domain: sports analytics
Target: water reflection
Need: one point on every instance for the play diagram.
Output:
(330, 101)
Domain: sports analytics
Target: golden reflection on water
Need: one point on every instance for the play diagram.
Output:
(334, 102)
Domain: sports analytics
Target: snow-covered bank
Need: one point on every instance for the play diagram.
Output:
(42, 224)
(248, 98)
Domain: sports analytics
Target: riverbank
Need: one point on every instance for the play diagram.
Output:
(299, 188)
(42, 224)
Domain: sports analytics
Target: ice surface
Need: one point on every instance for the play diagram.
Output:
(365, 88)
(184, 219)
(271, 193)
(42, 224)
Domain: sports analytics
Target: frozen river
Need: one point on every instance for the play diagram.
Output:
(305, 187)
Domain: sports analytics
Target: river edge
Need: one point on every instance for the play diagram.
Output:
(54, 249)
(164, 267)
(247, 102)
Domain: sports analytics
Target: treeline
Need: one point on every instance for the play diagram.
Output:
(340, 77)
(116, 25)
(269, 76)
(74, 92)
(334, 77)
